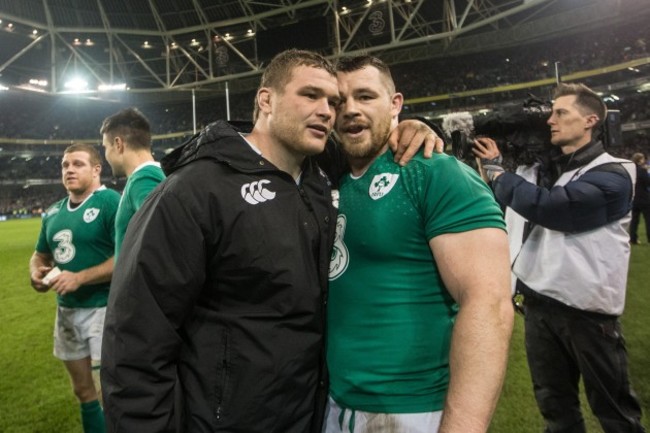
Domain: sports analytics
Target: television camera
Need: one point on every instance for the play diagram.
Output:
(520, 131)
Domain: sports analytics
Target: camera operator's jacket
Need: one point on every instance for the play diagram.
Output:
(578, 249)
(220, 289)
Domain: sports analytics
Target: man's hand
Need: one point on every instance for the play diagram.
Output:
(66, 282)
(409, 136)
(36, 278)
(488, 157)
(486, 148)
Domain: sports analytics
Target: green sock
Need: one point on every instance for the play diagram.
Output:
(92, 417)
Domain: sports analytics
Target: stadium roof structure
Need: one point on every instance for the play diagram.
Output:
(163, 45)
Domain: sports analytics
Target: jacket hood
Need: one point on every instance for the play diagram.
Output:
(220, 141)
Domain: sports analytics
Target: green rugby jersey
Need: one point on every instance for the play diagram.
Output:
(390, 317)
(81, 238)
(138, 186)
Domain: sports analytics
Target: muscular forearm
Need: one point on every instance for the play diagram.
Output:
(478, 361)
(39, 265)
(67, 281)
(38, 261)
(96, 274)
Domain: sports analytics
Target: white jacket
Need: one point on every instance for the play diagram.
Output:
(585, 270)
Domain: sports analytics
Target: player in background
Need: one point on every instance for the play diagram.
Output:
(126, 137)
(78, 238)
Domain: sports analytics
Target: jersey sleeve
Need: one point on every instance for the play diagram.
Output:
(451, 196)
(142, 188)
(110, 210)
(42, 245)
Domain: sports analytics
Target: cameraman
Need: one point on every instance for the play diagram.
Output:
(572, 267)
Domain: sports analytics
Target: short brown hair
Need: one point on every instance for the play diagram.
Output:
(638, 157)
(586, 99)
(278, 73)
(93, 153)
(355, 63)
(131, 125)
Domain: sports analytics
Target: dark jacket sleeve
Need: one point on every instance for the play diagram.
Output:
(597, 198)
(156, 282)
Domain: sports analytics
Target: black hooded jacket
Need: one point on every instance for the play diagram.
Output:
(221, 288)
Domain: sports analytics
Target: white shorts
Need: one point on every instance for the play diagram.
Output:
(78, 333)
(339, 420)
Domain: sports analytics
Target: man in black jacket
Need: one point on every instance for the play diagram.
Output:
(641, 203)
(223, 273)
(221, 286)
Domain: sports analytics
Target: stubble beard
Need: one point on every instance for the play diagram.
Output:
(293, 137)
(361, 148)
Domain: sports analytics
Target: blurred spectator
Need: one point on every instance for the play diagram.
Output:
(641, 203)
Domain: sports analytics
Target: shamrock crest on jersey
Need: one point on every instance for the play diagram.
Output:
(382, 184)
(91, 214)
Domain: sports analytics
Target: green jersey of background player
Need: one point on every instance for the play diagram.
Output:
(79, 236)
(77, 241)
(126, 137)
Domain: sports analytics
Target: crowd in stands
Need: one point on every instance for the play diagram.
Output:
(18, 201)
(43, 117)
(634, 108)
(78, 118)
(515, 65)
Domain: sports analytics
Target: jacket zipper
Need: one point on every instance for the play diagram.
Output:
(224, 376)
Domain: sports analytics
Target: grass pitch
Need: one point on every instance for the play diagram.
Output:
(35, 394)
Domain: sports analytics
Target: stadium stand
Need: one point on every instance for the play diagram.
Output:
(46, 124)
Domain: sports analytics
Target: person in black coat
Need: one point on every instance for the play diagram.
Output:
(641, 203)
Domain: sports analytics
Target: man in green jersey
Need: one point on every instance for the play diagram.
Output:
(126, 137)
(74, 258)
(419, 319)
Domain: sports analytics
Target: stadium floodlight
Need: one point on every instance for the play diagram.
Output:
(111, 87)
(37, 82)
(76, 84)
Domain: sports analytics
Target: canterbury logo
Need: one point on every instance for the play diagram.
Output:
(255, 192)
